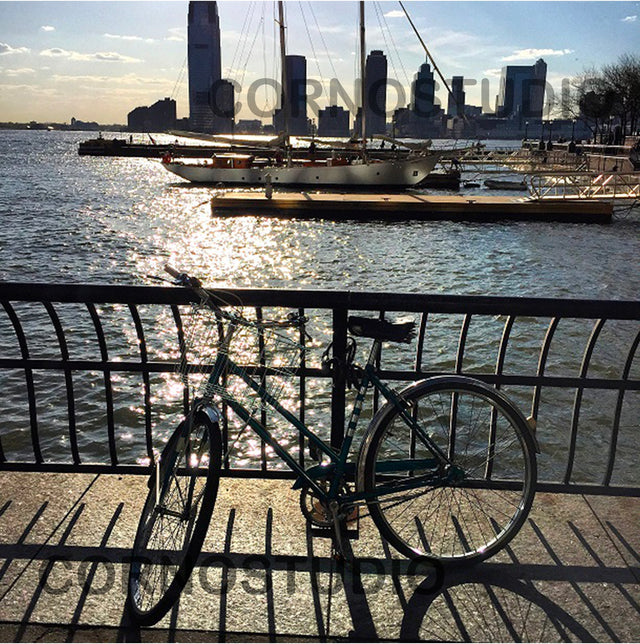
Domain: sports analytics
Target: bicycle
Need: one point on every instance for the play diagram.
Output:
(446, 468)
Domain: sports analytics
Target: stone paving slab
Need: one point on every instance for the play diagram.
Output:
(572, 574)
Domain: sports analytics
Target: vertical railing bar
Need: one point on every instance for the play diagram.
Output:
(597, 328)
(71, 406)
(28, 374)
(421, 337)
(177, 318)
(102, 343)
(302, 384)
(263, 383)
(146, 381)
(461, 343)
(615, 430)
(338, 392)
(542, 364)
(502, 351)
(226, 462)
(378, 365)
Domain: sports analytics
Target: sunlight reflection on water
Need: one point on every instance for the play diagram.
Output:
(116, 220)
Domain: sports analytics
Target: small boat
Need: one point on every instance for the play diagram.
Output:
(496, 184)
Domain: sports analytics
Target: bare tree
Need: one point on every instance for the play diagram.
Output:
(623, 80)
(614, 91)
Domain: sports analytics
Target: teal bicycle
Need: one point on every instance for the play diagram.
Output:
(446, 468)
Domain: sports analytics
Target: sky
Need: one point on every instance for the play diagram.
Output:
(96, 61)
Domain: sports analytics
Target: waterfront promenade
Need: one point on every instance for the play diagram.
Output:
(572, 574)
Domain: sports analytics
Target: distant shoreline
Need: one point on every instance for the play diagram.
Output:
(64, 127)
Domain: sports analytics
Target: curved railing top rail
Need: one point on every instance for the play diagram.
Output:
(468, 304)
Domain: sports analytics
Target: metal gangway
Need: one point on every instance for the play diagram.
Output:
(486, 161)
(584, 184)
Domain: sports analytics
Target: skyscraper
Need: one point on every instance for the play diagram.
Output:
(222, 103)
(376, 93)
(333, 121)
(296, 74)
(204, 63)
(423, 92)
(455, 104)
(522, 90)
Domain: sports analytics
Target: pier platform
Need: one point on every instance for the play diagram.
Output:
(571, 574)
(408, 205)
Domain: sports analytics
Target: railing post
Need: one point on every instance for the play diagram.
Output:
(338, 399)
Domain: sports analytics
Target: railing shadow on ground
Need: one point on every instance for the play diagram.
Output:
(47, 580)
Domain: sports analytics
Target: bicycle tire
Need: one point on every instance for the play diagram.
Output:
(471, 511)
(171, 533)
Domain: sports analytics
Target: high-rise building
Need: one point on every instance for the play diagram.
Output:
(296, 79)
(522, 91)
(455, 104)
(333, 121)
(376, 93)
(423, 92)
(159, 117)
(222, 102)
(204, 63)
(423, 117)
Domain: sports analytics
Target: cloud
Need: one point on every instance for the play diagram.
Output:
(22, 71)
(532, 54)
(396, 13)
(6, 49)
(177, 34)
(493, 72)
(330, 29)
(129, 38)
(630, 19)
(127, 80)
(56, 52)
(102, 56)
(47, 28)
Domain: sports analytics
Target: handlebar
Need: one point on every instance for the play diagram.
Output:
(182, 278)
(172, 271)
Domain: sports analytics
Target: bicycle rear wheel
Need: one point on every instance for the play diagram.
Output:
(462, 513)
(175, 518)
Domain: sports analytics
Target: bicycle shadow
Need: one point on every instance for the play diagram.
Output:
(386, 598)
(54, 583)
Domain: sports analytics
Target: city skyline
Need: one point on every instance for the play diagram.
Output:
(90, 61)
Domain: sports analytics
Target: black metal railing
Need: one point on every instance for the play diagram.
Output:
(88, 385)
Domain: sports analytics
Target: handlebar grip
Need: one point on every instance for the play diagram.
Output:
(182, 278)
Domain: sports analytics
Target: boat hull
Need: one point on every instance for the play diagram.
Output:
(397, 173)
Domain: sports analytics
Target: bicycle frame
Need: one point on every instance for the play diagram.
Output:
(338, 465)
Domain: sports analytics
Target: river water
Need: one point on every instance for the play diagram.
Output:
(114, 220)
(67, 218)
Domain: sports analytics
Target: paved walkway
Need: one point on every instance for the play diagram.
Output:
(572, 574)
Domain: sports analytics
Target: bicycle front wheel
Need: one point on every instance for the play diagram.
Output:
(175, 518)
(467, 510)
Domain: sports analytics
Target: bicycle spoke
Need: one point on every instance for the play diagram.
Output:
(171, 530)
(489, 479)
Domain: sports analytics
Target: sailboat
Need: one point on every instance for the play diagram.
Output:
(243, 169)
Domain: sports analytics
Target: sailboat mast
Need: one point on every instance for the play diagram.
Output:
(285, 87)
(363, 90)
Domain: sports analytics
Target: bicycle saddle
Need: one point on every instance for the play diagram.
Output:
(380, 329)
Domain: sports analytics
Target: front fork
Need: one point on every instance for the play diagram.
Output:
(163, 469)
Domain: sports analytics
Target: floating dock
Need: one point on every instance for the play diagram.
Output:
(403, 206)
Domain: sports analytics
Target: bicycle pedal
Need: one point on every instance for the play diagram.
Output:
(353, 516)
